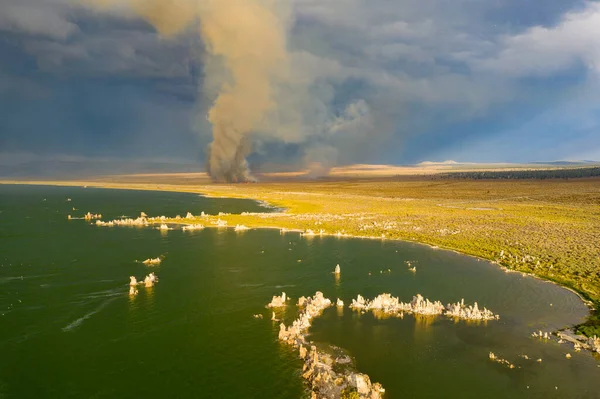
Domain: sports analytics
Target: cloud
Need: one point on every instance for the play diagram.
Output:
(544, 51)
(374, 81)
(48, 18)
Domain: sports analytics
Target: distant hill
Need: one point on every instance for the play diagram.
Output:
(566, 163)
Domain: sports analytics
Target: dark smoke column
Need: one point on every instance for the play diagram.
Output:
(226, 170)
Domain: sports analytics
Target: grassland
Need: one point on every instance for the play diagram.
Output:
(547, 228)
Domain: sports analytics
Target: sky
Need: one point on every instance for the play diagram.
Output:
(378, 81)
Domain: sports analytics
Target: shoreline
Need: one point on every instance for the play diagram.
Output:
(283, 230)
(157, 187)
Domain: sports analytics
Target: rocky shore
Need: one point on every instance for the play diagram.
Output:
(329, 376)
(579, 341)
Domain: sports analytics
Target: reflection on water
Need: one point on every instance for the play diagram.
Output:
(381, 315)
(423, 323)
(149, 296)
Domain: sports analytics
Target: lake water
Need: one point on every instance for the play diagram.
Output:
(68, 328)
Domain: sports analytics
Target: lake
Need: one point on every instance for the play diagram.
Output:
(69, 329)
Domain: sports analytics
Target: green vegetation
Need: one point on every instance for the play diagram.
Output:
(561, 173)
(350, 393)
(549, 228)
(592, 326)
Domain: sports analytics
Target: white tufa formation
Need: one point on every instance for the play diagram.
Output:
(462, 311)
(503, 362)
(390, 305)
(191, 227)
(91, 216)
(337, 269)
(141, 221)
(324, 382)
(312, 307)
(152, 261)
(278, 301)
(541, 335)
(150, 280)
(240, 227)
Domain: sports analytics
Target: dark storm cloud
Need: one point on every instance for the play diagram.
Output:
(380, 81)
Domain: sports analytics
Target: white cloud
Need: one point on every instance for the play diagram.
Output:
(542, 51)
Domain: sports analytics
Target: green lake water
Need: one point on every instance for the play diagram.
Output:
(68, 328)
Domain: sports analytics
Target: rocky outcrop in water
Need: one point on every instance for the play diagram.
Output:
(278, 301)
(132, 286)
(150, 280)
(391, 306)
(326, 383)
(191, 227)
(503, 362)
(240, 227)
(462, 311)
(91, 216)
(359, 303)
(152, 261)
(141, 221)
(337, 270)
(312, 307)
(540, 335)
(329, 376)
(423, 306)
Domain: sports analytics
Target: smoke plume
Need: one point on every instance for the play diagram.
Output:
(248, 38)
